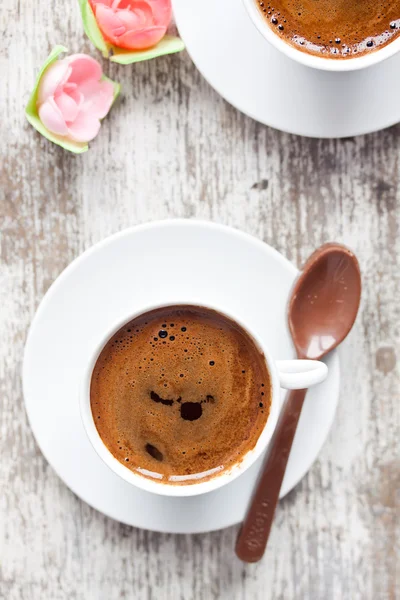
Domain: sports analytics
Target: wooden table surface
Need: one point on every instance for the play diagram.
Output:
(172, 148)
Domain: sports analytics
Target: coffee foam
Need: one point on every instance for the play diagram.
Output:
(180, 393)
(334, 28)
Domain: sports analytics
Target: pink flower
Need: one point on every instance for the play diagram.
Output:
(132, 24)
(72, 98)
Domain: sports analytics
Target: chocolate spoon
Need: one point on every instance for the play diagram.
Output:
(322, 310)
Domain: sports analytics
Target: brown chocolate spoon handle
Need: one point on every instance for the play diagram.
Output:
(253, 536)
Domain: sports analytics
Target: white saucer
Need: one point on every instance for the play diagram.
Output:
(258, 80)
(150, 264)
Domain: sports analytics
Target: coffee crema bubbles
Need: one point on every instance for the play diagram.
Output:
(334, 28)
(180, 394)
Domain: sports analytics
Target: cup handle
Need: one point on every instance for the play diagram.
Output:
(300, 374)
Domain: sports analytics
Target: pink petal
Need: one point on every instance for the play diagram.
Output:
(140, 17)
(69, 87)
(83, 68)
(52, 118)
(123, 4)
(72, 90)
(93, 3)
(140, 40)
(54, 76)
(98, 97)
(109, 23)
(77, 96)
(162, 11)
(68, 107)
(84, 128)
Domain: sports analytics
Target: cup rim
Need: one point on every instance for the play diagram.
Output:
(318, 62)
(158, 487)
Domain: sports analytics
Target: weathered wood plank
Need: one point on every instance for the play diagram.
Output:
(172, 147)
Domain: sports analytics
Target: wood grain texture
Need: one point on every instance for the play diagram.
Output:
(172, 148)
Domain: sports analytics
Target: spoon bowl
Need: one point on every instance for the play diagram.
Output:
(325, 301)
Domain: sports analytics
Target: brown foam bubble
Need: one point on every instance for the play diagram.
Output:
(334, 28)
(183, 403)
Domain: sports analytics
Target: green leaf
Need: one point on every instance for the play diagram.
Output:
(168, 45)
(116, 86)
(92, 29)
(31, 112)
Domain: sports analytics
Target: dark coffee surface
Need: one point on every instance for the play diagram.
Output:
(178, 392)
(334, 28)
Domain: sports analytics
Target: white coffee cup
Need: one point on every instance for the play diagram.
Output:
(288, 374)
(311, 60)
